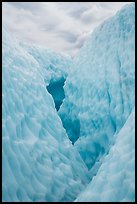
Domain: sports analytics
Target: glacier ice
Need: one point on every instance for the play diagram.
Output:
(68, 126)
(55, 88)
(115, 179)
(39, 163)
(99, 90)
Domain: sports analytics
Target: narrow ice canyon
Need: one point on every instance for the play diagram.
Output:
(68, 125)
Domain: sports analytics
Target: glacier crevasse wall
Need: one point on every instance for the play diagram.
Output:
(99, 91)
(38, 161)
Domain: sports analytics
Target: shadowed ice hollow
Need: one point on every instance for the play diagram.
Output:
(68, 125)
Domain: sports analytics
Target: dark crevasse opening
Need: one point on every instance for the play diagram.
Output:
(72, 127)
(55, 88)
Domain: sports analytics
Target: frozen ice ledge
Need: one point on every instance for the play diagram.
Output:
(68, 126)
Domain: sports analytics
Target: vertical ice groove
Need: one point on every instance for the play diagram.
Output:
(120, 81)
(106, 65)
(39, 162)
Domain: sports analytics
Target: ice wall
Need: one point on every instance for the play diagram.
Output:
(115, 180)
(99, 91)
(38, 161)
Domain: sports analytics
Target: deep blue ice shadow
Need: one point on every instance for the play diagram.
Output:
(55, 88)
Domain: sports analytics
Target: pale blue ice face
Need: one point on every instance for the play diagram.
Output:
(99, 90)
(39, 163)
(68, 126)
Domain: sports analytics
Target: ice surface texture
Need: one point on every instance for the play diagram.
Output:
(115, 180)
(99, 90)
(39, 162)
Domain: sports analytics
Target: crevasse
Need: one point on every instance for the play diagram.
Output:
(99, 91)
(50, 102)
(38, 161)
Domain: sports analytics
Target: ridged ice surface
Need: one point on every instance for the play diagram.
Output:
(100, 87)
(85, 151)
(115, 180)
(38, 161)
(53, 65)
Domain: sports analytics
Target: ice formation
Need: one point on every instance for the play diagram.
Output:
(39, 163)
(68, 126)
(99, 91)
(115, 179)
